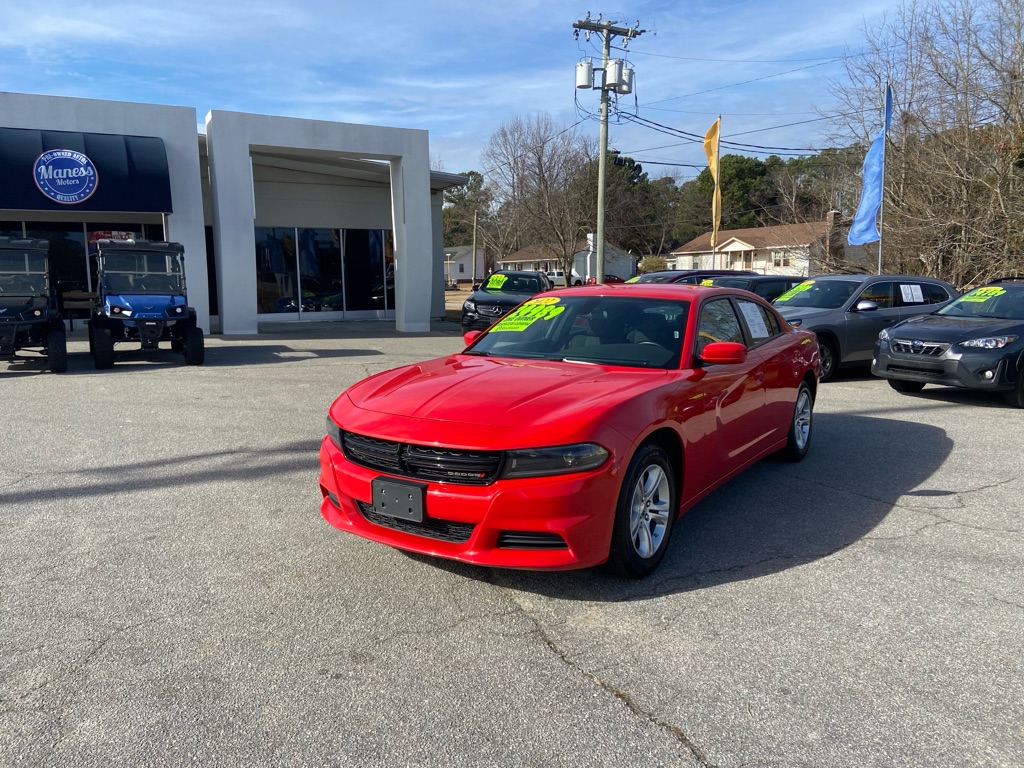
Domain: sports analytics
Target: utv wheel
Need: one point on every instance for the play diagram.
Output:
(829, 357)
(800, 427)
(102, 348)
(195, 351)
(906, 387)
(57, 350)
(647, 507)
(1015, 396)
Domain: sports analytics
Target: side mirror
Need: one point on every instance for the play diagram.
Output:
(724, 353)
(470, 336)
(865, 305)
(476, 286)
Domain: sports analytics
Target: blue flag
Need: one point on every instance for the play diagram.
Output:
(864, 228)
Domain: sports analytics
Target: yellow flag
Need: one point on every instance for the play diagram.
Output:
(711, 150)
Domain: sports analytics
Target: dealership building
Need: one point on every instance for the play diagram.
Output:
(282, 219)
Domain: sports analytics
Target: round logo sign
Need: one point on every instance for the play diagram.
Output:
(65, 176)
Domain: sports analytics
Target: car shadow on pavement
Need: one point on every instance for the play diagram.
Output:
(772, 517)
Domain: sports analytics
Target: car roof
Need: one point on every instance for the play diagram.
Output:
(861, 278)
(517, 272)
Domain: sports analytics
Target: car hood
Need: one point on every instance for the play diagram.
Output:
(500, 299)
(954, 329)
(803, 313)
(469, 392)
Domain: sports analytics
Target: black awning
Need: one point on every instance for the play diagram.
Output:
(128, 173)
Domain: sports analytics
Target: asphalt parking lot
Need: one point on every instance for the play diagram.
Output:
(170, 595)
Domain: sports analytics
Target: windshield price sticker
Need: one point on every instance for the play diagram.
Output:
(528, 313)
(496, 281)
(983, 294)
(795, 290)
(709, 281)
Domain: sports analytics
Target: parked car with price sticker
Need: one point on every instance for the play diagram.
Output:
(574, 431)
(500, 293)
(847, 312)
(975, 342)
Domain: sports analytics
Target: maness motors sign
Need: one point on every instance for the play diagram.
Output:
(65, 176)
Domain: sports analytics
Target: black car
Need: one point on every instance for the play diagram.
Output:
(30, 317)
(768, 287)
(688, 276)
(848, 311)
(976, 342)
(500, 293)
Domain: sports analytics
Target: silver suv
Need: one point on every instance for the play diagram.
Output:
(848, 311)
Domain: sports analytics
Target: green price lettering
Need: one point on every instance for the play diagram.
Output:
(496, 281)
(526, 315)
(983, 294)
(795, 290)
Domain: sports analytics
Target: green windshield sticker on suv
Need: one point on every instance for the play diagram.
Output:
(528, 313)
(795, 290)
(634, 279)
(496, 281)
(983, 294)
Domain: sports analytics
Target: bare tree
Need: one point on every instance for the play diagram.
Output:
(954, 187)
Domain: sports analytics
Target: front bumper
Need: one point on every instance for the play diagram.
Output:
(987, 370)
(549, 523)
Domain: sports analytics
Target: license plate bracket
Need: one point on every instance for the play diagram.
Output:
(399, 498)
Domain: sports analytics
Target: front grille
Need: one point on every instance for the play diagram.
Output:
(492, 310)
(530, 540)
(916, 371)
(431, 528)
(422, 462)
(923, 348)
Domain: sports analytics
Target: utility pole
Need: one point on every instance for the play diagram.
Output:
(474, 248)
(607, 30)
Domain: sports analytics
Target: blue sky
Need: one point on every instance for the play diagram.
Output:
(458, 68)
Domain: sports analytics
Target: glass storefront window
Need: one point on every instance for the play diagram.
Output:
(276, 274)
(365, 285)
(11, 229)
(320, 270)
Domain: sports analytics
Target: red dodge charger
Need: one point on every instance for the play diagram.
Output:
(575, 431)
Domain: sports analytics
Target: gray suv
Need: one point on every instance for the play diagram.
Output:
(847, 312)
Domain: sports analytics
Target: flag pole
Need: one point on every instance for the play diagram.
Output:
(881, 201)
(718, 186)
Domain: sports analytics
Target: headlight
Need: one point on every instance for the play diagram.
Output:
(989, 342)
(176, 310)
(115, 310)
(469, 306)
(334, 432)
(557, 460)
(883, 334)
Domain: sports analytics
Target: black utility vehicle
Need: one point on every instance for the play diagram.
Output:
(29, 315)
(141, 300)
(975, 342)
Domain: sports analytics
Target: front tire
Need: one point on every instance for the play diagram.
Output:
(800, 427)
(906, 387)
(647, 507)
(57, 350)
(829, 356)
(1015, 397)
(195, 350)
(102, 348)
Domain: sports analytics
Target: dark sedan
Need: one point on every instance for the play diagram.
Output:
(768, 287)
(976, 342)
(498, 295)
(688, 276)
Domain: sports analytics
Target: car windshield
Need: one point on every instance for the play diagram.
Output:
(1005, 302)
(653, 277)
(728, 282)
(819, 294)
(23, 273)
(629, 331)
(142, 272)
(503, 282)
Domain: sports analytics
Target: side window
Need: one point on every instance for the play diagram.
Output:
(934, 294)
(769, 289)
(761, 324)
(880, 293)
(718, 322)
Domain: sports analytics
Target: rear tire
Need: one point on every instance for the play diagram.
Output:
(195, 349)
(57, 350)
(648, 506)
(906, 387)
(102, 348)
(800, 426)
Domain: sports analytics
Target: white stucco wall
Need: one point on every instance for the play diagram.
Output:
(231, 136)
(175, 125)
